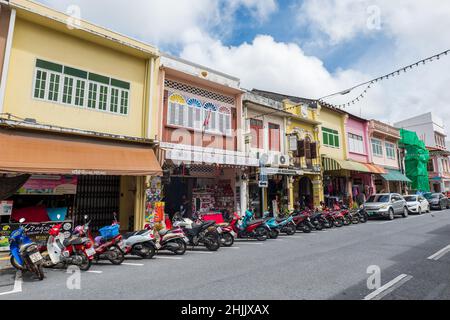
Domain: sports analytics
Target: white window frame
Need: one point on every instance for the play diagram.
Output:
(380, 143)
(356, 143)
(59, 92)
(37, 69)
(390, 146)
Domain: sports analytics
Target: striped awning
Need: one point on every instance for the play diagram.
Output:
(375, 169)
(395, 175)
(330, 164)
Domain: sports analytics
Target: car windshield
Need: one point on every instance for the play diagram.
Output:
(411, 198)
(431, 196)
(378, 198)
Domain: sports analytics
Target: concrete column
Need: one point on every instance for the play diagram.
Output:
(318, 193)
(290, 185)
(244, 196)
(139, 208)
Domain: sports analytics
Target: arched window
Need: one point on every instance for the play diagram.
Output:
(177, 110)
(195, 107)
(210, 116)
(224, 119)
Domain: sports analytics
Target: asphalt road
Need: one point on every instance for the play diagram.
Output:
(322, 265)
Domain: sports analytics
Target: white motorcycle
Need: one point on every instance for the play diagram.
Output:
(139, 243)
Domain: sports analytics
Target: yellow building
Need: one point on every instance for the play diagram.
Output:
(69, 85)
(302, 128)
(333, 150)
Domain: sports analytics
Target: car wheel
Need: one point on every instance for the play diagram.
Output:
(391, 214)
(429, 209)
(420, 211)
(405, 212)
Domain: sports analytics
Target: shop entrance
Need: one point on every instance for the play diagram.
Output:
(306, 196)
(276, 194)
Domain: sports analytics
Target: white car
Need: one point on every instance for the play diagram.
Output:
(417, 204)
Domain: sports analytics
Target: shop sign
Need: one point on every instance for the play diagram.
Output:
(263, 184)
(280, 171)
(50, 185)
(37, 232)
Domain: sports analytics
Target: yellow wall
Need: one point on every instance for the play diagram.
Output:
(333, 120)
(32, 41)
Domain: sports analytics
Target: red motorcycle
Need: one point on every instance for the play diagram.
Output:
(303, 221)
(76, 250)
(248, 228)
(108, 246)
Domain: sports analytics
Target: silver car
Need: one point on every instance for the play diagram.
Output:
(386, 205)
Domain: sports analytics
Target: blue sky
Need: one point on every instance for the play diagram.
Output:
(306, 48)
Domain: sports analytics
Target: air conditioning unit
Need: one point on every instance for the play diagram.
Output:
(278, 160)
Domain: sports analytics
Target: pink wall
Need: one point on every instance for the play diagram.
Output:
(360, 128)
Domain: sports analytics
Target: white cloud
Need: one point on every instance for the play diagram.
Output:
(196, 27)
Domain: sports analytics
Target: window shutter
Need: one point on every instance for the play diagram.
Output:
(301, 148)
(313, 150)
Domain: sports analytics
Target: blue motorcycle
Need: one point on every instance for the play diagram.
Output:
(24, 254)
(280, 225)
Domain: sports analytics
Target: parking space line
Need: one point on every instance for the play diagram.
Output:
(133, 264)
(94, 271)
(229, 247)
(169, 258)
(17, 285)
(440, 254)
(201, 252)
(389, 287)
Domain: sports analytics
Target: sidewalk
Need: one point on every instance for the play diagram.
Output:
(4, 261)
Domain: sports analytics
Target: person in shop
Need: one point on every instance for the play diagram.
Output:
(185, 208)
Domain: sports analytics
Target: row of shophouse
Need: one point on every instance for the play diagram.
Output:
(98, 122)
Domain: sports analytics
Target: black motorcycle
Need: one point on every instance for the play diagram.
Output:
(200, 233)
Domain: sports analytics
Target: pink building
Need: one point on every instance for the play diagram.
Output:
(386, 154)
(358, 150)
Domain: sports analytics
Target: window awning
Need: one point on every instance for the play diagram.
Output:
(375, 169)
(330, 164)
(395, 175)
(22, 152)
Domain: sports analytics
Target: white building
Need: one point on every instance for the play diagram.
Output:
(431, 130)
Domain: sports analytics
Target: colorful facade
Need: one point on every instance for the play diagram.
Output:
(386, 153)
(200, 126)
(80, 100)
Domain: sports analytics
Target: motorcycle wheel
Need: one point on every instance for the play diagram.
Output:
(86, 264)
(364, 218)
(118, 258)
(306, 228)
(227, 240)
(318, 226)
(38, 270)
(290, 230)
(274, 234)
(150, 253)
(347, 221)
(339, 223)
(182, 247)
(212, 242)
(261, 234)
(15, 264)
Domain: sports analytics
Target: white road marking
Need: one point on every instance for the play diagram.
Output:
(17, 285)
(94, 271)
(133, 264)
(201, 252)
(440, 253)
(169, 258)
(229, 247)
(388, 287)
(249, 242)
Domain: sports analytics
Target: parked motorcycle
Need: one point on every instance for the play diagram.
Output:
(200, 233)
(108, 246)
(281, 225)
(246, 227)
(76, 250)
(227, 235)
(302, 222)
(172, 240)
(140, 243)
(24, 254)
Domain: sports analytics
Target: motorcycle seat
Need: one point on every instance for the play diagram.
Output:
(165, 232)
(251, 223)
(279, 220)
(74, 241)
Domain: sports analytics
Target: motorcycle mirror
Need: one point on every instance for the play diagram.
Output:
(22, 220)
